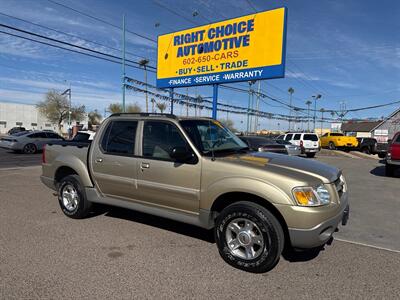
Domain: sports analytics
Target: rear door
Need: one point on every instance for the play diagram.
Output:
(310, 141)
(161, 181)
(39, 139)
(113, 162)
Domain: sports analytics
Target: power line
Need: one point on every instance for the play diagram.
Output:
(68, 34)
(173, 12)
(102, 21)
(68, 49)
(68, 44)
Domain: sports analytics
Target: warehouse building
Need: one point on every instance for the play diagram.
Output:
(25, 115)
(380, 130)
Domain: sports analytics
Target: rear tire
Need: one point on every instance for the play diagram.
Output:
(29, 149)
(365, 150)
(332, 146)
(72, 197)
(381, 155)
(310, 155)
(249, 237)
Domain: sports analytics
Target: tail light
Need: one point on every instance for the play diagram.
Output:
(44, 155)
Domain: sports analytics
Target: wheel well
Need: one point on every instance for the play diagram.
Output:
(229, 198)
(63, 172)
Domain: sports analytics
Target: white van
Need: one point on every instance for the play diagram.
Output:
(308, 142)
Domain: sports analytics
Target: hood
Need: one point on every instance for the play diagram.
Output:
(265, 160)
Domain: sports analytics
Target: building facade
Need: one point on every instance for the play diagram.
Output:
(26, 115)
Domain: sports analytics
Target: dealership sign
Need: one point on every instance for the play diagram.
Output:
(247, 48)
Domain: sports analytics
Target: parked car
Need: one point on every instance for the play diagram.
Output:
(84, 136)
(335, 140)
(262, 144)
(28, 142)
(308, 142)
(196, 171)
(371, 146)
(15, 130)
(291, 149)
(393, 155)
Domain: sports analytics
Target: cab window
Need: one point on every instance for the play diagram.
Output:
(119, 138)
(297, 136)
(159, 138)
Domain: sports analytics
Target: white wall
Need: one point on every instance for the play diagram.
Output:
(28, 115)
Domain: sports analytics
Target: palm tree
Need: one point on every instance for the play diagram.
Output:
(161, 106)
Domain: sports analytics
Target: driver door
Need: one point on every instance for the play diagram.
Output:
(161, 180)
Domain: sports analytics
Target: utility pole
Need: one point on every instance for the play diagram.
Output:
(143, 63)
(316, 97)
(308, 103)
(249, 106)
(290, 91)
(322, 110)
(257, 107)
(123, 63)
(68, 91)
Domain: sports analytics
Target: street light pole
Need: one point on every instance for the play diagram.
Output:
(322, 110)
(308, 103)
(290, 91)
(123, 63)
(316, 97)
(143, 63)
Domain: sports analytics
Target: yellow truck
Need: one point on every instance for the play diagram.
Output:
(334, 140)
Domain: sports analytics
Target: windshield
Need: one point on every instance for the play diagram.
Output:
(210, 135)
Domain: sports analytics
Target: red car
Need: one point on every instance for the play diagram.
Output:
(393, 155)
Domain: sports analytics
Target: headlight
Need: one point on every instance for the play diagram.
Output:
(309, 196)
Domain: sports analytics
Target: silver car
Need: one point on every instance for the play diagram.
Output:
(292, 150)
(28, 142)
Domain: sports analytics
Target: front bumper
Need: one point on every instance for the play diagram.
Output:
(321, 233)
(393, 162)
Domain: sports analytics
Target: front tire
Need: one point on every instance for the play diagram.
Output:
(29, 149)
(72, 197)
(332, 146)
(249, 237)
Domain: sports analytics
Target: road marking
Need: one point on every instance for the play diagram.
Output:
(367, 245)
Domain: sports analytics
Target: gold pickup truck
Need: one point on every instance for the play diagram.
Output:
(196, 171)
(334, 140)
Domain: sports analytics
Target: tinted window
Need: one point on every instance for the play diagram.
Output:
(159, 138)
(326, 134)
(310, 137)
(52, 135)
(81, 137)
(119, 138)
(297, 136)
(37, 135)
(288, 137)
(336, 134)
(397, 140)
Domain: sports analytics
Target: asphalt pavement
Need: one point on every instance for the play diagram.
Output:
(118, 253)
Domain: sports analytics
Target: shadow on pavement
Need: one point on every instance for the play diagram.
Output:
(292, 255)
(380, 171)
(162, 223)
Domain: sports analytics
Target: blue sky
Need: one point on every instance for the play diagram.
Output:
(344, 50)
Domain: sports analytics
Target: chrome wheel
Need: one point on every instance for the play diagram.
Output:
(30, 149)
(70, 197)
(244, 239)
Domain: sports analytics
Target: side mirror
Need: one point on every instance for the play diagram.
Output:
(181, 154)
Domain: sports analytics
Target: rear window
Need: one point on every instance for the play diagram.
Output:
(297, 137)
(397, 139)
(310, 137)
(337, 134)
(119, 138)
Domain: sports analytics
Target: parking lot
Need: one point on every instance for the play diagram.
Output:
(124, 254)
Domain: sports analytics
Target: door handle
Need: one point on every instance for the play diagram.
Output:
(99, 160)
(144, 165)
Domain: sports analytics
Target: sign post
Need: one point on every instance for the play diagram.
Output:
(215, 101)
(171, 95)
